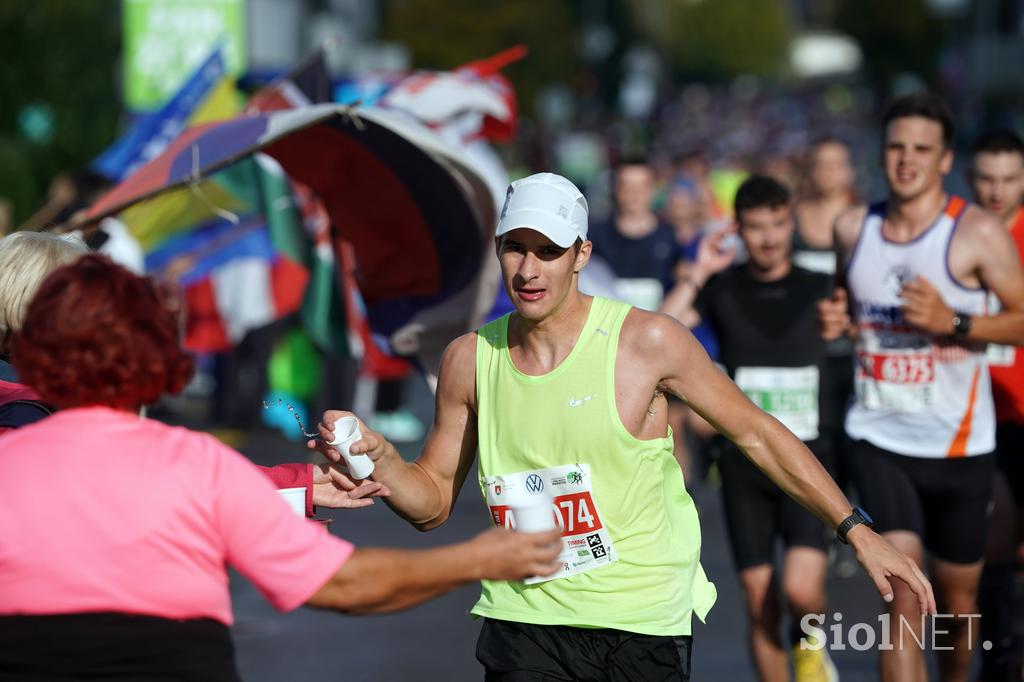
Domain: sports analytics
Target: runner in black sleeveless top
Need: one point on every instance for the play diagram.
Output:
(830, 178)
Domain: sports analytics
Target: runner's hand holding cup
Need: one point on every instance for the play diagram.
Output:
(346, 439)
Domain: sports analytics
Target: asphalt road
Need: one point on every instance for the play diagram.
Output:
(436, 641)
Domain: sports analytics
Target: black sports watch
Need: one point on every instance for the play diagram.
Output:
(858, 516)
(961, 324)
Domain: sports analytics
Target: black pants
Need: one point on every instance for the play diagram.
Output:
(519, 652)
(115, 646)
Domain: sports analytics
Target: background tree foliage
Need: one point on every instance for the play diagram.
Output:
(443, 34)
(718, 38)
(895, 38)
(61, 55)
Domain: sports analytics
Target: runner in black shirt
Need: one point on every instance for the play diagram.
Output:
(764, 313)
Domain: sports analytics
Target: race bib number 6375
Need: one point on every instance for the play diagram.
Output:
(898, 380)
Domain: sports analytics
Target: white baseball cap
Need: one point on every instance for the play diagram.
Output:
(547, 203)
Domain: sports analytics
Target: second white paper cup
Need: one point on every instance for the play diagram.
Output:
(296, 499)
(346, 432)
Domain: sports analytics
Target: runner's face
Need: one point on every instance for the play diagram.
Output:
(767, 233)
(831, 172)
(537, 273)
(998, 182)
(914, 158)
(634, 189)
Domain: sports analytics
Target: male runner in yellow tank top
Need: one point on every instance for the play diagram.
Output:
(566, 397)
(924, 466)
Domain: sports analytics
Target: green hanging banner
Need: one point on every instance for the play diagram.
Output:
(165, 40)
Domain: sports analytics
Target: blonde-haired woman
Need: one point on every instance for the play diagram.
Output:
(26, 258)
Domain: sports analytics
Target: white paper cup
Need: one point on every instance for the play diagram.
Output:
(532, 509)
(346, 432)
(536, 517)
(296, 499)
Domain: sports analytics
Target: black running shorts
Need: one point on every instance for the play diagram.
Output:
(757, 512)
(944, 501)
(520, 652)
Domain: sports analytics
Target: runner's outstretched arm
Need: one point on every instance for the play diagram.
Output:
(423, 491)
(686, 371)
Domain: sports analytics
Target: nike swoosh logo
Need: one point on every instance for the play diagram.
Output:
(576, 403)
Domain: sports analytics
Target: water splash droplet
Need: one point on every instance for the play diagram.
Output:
(298, 419)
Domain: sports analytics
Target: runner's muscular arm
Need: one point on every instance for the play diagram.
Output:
(982, 248)
(1000, 272)
(845, 233)
(834, 312)
(680, 299)
(686, 371)
(423, 491)
(437, 475)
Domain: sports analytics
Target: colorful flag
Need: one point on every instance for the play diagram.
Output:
(153, 132)
(237, 276)
(235, 241)
(324, 312)
(307, 83)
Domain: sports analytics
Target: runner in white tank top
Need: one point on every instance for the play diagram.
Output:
(917, 268)
(918, 393)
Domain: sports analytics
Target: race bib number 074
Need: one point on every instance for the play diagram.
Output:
(586, 544)
(574, 513)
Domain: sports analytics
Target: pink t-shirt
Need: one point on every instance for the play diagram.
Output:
(103, 511)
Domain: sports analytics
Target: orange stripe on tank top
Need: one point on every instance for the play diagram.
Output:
(958, 448)
(954, 206)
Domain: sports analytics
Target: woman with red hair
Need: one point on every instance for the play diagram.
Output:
(131, 581)
(26, 258)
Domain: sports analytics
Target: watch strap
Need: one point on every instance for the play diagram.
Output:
(847, 524)
(961, 324)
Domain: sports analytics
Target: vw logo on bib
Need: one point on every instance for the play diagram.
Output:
(534, 483)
